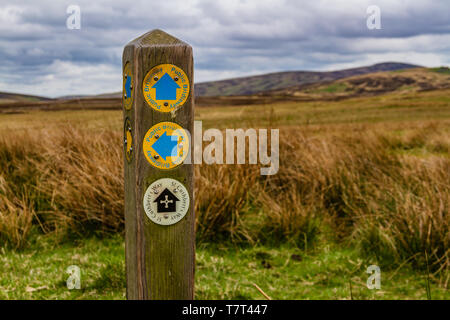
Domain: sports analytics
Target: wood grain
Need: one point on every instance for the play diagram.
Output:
(159, 259)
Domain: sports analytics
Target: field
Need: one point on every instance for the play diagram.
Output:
(362, 181)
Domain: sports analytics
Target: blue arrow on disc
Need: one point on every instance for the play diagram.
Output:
(166, 146)
(128, 86)
(166, 88)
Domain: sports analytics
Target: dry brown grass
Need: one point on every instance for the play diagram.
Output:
(223, 196)
(385, 192)
(82, 175)
(16, 218)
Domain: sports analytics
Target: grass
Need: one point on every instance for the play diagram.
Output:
(400, 109)
(40, 271)
(442, 70)
(332, 88)
(387, 109)
(361, 181)
(223, 272)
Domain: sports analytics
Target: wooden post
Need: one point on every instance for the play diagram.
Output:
(159, 258)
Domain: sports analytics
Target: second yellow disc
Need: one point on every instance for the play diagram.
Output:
(166, 145)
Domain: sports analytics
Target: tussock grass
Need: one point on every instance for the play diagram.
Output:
(355, 184)
(82, 175)
(15, 221)
(223, 195)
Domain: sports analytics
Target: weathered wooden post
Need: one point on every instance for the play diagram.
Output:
(158, 102)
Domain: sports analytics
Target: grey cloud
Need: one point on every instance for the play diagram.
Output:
(229, 37)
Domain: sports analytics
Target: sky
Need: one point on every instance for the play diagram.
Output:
(40, 55)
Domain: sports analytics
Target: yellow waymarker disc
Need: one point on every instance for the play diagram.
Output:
(166, 145)
(166, 88)
(128, 140)
(128, 86)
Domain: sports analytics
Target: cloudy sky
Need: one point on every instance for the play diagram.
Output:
(40, 55)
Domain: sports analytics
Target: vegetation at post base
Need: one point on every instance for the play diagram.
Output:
(361, 181)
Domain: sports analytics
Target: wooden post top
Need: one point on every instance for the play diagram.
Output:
(156, 37)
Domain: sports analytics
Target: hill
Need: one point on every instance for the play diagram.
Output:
(282, 80)
(7, 97)
(400, 81)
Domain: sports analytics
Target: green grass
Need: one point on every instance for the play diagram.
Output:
(222, 272)
(332, 88)
(442, 70)
(40, 271)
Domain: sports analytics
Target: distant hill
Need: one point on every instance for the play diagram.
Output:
(399, 81)
(388, 82)
(7, 97)
(70, 97)
(282, 80)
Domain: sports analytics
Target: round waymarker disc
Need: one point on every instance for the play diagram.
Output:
(166, 88)
(166, 201)
(128, 86)
(166, 145)
(128, 139)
